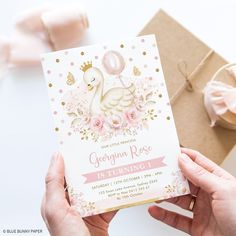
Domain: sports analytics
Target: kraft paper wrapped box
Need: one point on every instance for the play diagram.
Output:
(185, 58)
(230, 161)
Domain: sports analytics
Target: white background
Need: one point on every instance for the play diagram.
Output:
(27, 139)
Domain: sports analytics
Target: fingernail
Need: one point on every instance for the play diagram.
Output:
(54, 158)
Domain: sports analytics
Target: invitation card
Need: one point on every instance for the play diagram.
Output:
(114, 123)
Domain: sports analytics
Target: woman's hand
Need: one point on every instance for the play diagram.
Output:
(61, 218)
(214, 192)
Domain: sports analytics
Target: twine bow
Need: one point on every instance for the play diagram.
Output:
(182, 67)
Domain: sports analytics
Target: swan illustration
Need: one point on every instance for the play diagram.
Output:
(114, 101)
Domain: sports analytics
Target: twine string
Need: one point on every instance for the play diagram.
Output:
(182, 67)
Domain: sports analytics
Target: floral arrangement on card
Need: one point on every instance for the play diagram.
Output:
(122, 109)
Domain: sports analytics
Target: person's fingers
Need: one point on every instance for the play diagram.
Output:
(206, 163)
(108, 216)
(197, 174)
(193, 189)
(55, 205)
(43, 211)
(102, 220)
(55, 195)
(43, 208)
(55, 180)
(181, 201)
(173, 219)
(185, 200)
(55, 208)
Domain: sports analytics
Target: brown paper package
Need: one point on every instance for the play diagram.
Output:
(229, 162)
(179, 48)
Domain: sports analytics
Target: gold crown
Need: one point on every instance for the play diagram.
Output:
(86, 66)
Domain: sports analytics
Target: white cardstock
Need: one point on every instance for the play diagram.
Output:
(115, 126)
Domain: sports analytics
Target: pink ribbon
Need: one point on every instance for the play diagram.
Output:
(218, 99)
(124, 170)
(40, 30)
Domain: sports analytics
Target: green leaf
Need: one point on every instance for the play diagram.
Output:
(72, 114)
(76, 121)
(80, 112)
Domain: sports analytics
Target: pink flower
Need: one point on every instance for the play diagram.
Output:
(115, 121)
(71, 107)
(132, 116)
(85, 119)
(97, 123)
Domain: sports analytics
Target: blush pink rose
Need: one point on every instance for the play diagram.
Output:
(132, 116)
(115, 121)
(85, 119)
(97, 123)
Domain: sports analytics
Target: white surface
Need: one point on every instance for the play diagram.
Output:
(27, 139)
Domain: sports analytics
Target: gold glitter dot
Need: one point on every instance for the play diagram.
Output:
(168, 118)
(122, 45)
(57, 60)
(63, 103)
(144, 53)
(157, 70)
(50, 85)
(82, 53)
(56, 129)
(160, 95)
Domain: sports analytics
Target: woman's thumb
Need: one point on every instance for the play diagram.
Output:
(197, 174)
